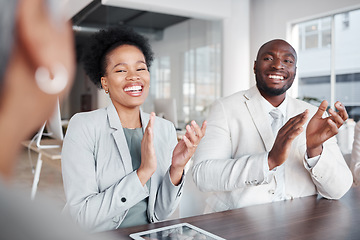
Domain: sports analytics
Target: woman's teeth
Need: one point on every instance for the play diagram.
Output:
(133, 89)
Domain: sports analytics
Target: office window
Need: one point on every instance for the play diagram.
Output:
(201, 85)
(187, 67)
(329, 60)
(315, 34)
(160, 77)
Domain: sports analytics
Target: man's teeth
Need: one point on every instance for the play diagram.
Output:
(276, 77)
(133, 88)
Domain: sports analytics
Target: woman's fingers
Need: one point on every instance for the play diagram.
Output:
(151, 121)
(194, 133)
(188, 143)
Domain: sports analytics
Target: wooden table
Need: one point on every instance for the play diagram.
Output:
(303, 218)
(49, 155)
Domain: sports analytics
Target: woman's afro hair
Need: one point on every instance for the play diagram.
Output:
(103, 42)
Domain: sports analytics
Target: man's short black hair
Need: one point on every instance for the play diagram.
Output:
(103, 42)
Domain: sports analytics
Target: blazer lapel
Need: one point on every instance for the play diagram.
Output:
(119, 137)
(145, 117)
(293, 108)
(259, 117)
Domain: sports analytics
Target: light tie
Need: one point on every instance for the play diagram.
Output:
(279, 175)
(277, 120)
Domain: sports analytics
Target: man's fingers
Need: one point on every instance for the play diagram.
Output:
(296, 122)
(333, 128)
(336, 118)
(295, 132)
(322, 108)
(341, 110)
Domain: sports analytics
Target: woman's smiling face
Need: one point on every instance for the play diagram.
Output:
(127, 77)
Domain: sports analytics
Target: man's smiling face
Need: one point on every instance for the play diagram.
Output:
(275, 68)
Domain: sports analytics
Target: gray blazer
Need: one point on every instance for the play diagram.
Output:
(229, 160)
(99, 181)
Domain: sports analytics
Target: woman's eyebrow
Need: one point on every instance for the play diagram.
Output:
(118, 64)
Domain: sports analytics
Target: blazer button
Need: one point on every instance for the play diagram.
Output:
(123, 199)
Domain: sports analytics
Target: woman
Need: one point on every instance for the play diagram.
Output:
(34, 39)
(123, 167)
(37, 66)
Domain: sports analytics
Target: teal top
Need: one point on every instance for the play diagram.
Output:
(137, 214)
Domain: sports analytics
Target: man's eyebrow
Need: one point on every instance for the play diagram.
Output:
(272, 54)
(290, 55)
(267, 53)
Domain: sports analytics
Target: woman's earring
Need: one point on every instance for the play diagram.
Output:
(107, 91)
(54, 85)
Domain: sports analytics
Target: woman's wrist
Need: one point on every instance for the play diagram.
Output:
(144, 175)
(176, 174)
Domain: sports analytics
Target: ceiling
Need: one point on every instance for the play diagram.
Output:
(96, 16)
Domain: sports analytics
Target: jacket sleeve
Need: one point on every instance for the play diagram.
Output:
(168, 195)
(331, 175)
(215, 169)
(91, 208)
(355, 155)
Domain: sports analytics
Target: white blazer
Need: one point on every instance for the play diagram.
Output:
(355, 155)
(229, 160)
(99, 181)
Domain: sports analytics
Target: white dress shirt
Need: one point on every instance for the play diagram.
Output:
(278, 173)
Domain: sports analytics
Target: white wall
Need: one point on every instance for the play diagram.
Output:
(176, 41)
(235, 15)
(270, 19)
(202, 9)
(73, 7)
(236, 48)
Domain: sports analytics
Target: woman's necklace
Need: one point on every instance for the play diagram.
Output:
(132, 127)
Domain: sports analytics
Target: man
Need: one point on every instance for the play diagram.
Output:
(243, 161)
(355, 155)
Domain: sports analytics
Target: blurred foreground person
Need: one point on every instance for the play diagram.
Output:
(36, 68)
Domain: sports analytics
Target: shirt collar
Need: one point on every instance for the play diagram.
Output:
(268, 107)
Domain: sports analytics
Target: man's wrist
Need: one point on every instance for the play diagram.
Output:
(313, 152)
